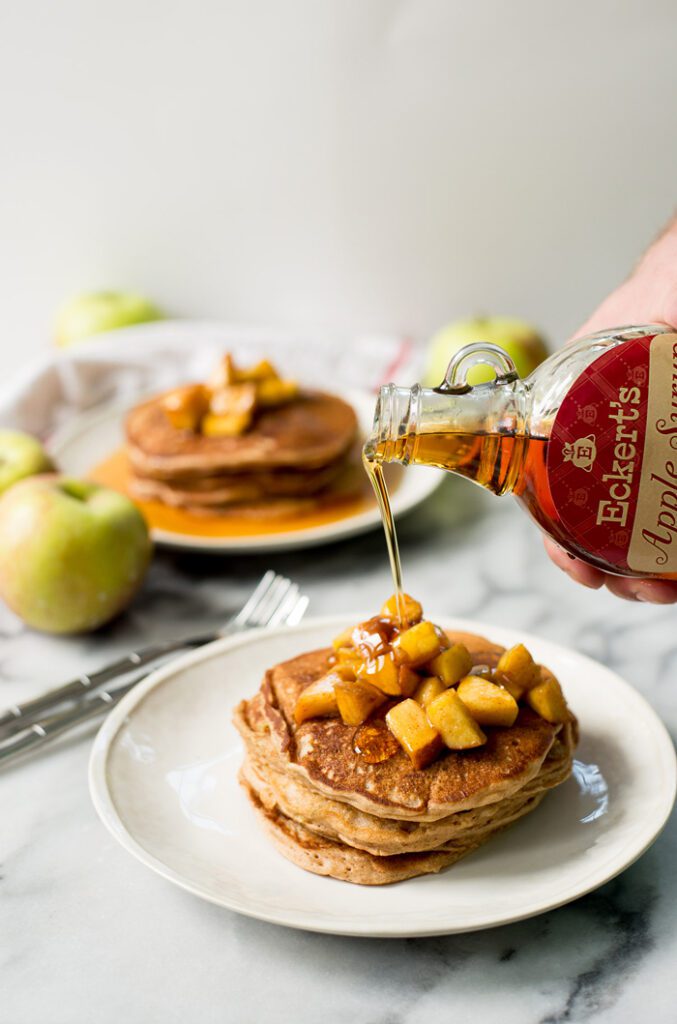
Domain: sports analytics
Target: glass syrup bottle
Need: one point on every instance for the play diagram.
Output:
(587, 443)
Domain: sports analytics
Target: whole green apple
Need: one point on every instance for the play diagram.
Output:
(520, 340)
(20, 456)
(72, 553)
(95, 312)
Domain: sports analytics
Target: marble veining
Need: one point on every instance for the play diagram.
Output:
(87, 934)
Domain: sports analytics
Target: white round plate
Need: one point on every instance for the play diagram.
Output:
(163, 777)
(88, 439)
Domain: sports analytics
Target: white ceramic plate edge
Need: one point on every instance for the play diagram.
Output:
(603, 873)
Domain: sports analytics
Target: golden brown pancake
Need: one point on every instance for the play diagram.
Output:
(309, 433)
(332, 813)
(320, 750)
(262, 495)
(233, 488)
(293, 797)
(322, 856)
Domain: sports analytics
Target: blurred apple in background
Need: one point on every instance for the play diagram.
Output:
(20, 456)
(72, 553)
(520, 340)
(95, 312)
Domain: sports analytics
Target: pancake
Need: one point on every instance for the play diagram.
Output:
(234, 488)
(320, 751)
(265, 495)
(308, 433)
(322, 856)
(341, 822)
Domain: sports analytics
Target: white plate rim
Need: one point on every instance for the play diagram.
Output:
(605, 872)
(340, 529)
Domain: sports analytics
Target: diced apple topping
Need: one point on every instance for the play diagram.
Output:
(227, 404)
(420, 643)
(224, 374)
(519, 670)
(276, 392)
(409, 725)
(185, 407)
(356, 700)
(547, 700)
(348, 656)
(408, 612)
(488, 703)
(452, 664)
(372, 638)
(263, 370)
(388, 675)
(408, 680)
(452, 719)
(427, 690)
(318, 700)
(227, 425)
(236, 398)
(437, 697)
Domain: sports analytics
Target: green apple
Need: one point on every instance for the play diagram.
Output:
(95, 312)
(20, 456)
(72, 553)
(520, 340)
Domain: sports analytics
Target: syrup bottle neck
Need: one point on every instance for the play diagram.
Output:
(478, 432)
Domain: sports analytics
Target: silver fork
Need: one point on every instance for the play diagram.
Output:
(276, 601)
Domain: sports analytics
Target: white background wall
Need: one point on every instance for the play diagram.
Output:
(366, 164)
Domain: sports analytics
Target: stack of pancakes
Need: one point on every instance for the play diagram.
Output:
(292, 456)
(332, 813)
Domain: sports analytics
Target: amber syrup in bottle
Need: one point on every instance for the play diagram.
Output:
(587, 443)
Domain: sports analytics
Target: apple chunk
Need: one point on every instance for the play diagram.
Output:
(452, 664)
(547, 700)
(231, 424)
(427, 690)
(419, 644)
(411, 610)
(263, 370)
(318, 700)
(276, 392)
(488, 703)
(410, 727)
(356, 700)
(185, 407)
(516, 670)
(372, 637)
(348, 657)
(458, 729)
(385, 673)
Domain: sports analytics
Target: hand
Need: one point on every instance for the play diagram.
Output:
(648, 296)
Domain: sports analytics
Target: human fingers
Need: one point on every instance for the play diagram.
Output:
(580, 571)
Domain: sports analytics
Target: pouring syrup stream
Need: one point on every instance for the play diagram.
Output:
(374, 471)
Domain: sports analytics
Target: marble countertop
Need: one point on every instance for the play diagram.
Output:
(88, 934)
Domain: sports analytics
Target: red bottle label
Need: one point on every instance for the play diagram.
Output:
(612, 457)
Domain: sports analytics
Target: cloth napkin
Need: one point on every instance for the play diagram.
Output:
(123, 364)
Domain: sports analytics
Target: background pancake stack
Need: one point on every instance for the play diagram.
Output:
(332, 813)
(291, 459)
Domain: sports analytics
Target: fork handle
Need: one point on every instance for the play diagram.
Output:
(40, 733)
(20, 716)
